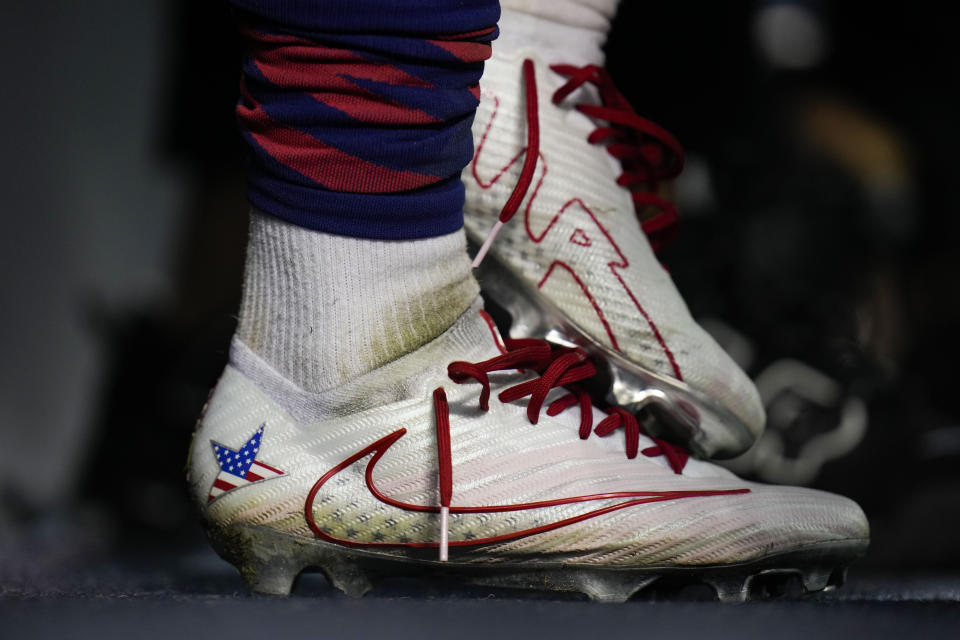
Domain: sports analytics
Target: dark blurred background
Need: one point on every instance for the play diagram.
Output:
(817, 243)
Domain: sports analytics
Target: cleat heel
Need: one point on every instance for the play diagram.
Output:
(263, 565)
(269, 562)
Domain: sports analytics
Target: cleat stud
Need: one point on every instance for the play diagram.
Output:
(816, 580)
(273, 578)
(613, 589)
(732, 597)
(731, 589)
(263, 568)
(775, 583)
(677, 587)
(837, 578)
(269, 562)
(345, 575)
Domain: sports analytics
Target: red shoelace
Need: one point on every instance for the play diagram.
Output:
(557, 367)
(647, 152)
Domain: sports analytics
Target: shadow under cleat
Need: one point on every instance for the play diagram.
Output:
(614, 586)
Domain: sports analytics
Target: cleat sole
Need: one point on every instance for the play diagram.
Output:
(270, 561)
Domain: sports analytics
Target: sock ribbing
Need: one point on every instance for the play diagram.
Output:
(570, 31)
(323, 309)
(586, 14)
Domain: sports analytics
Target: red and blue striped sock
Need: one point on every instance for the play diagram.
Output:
(358, 113)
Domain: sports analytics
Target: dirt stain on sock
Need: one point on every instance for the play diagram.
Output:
(421, 319)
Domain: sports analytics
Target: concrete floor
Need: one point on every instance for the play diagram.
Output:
(154, 594)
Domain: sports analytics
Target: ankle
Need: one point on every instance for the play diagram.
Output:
(323, 309)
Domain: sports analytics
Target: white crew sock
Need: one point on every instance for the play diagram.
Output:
(322, 309)
(572, 31)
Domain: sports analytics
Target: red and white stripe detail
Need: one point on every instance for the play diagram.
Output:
(226, 481)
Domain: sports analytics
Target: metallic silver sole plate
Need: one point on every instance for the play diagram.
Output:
(270, 561)
(679, 412)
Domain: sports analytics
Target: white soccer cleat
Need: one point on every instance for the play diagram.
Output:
(574, 265)
(540, 489)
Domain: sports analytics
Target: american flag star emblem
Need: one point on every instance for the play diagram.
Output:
(240, 467)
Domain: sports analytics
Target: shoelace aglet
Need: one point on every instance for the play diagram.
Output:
(444, 534)
(486, 244)
(531, 155)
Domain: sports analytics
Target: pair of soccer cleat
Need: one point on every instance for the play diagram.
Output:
(555, 458)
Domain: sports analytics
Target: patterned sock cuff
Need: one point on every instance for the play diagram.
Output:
(361, 130)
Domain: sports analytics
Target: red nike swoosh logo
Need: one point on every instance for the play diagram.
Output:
(380, 448)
